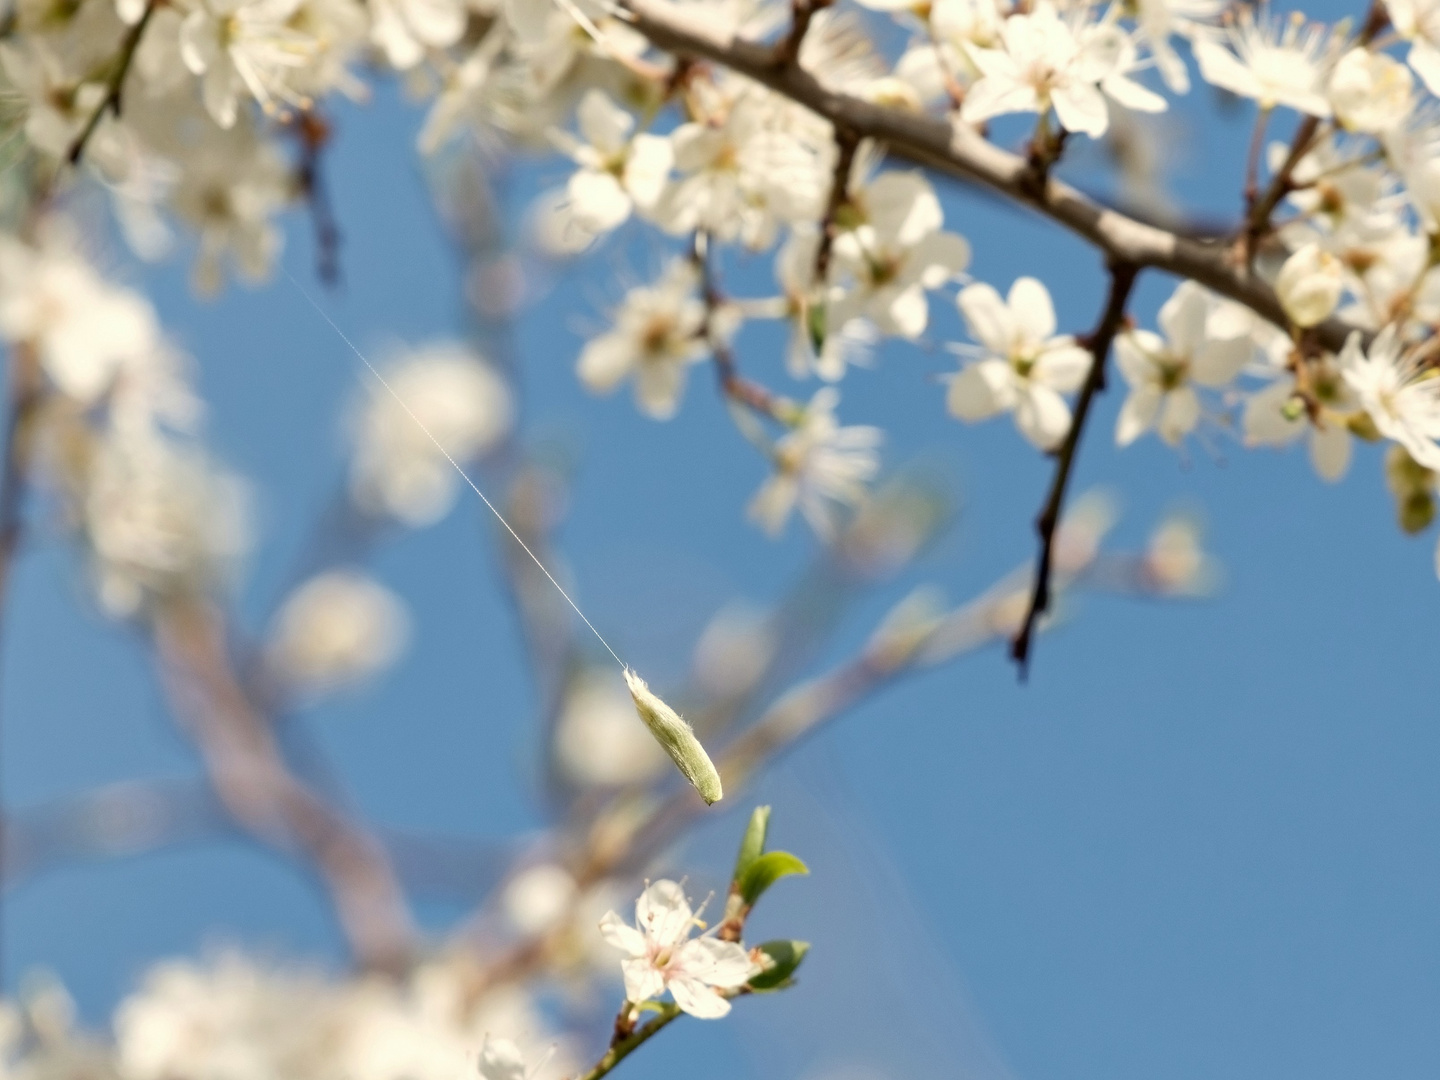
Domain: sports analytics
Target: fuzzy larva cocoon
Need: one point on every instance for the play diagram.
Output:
(677, 738)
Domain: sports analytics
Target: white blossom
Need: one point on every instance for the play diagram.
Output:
(619, 169)
(85, 330)
(1049, 61)
(1203, 345)
(1309, 285)
(244, 47)
(819, 466)
(450, 397)
(161, 519)
(597, 741)
(1370, 91)
(1024, 366)
(1276, 62)
(1419, 22)
(1401, 396)
(404, 29)
(339, 627)
(661, 954)
(657, 335)
(1275, 416)
(891, 252)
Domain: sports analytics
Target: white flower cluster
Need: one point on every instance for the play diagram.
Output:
(231, 1018)
(721, 161)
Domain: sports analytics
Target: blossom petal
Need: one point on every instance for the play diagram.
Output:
(987, 317)
(622, 935)
(663, 913)
(1330, 451)
(697, 999)
(1042, 416)
(720, 963)
(1137, 415)
(1030, 304)
(981, 391)
(642, 980)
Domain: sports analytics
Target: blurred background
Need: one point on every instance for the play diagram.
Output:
(1200, 842)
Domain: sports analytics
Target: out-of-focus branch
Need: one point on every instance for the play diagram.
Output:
(26, 389)
(137, 817)
(312, 131)
(115, 88)
(25, 395)
(735, 386)
(639, 826)
(1122, 280)
(248, 774)
(958, 151)
(846, 144)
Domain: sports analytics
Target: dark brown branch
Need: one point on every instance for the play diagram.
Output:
(115, 88)
(787, 52)
(1122, 280)
(846, 143)
(957, 151)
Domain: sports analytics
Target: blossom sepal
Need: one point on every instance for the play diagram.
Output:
(779, 961)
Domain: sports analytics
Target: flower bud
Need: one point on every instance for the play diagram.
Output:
(676, 738)
(1371, 92)
(1309, 285)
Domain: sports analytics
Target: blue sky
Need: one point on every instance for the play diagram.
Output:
(1200, 843)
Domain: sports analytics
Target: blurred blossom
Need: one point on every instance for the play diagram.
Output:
(337, 628)
(397, 469)
(537, 897)
(891, 528)
(84, 329)
(820, 467)
(599, 740)
(1083, 530)
(230, 1018)
(734, 651)
(1175, 560)
(161, 520)
(906, 627)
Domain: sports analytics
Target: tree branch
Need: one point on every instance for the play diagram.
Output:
(1122, 280)
(249, 776)
(115, 88)
(958, 151)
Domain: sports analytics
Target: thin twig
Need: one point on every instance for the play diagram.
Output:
(734, 385)
(313, 132)
(115, 88)
(787, 52)
(846, 143)
(623, 1046)
(1122, 280)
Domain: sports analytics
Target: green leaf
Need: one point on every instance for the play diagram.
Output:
(765, 871)
(752, 844)
(785, 957)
